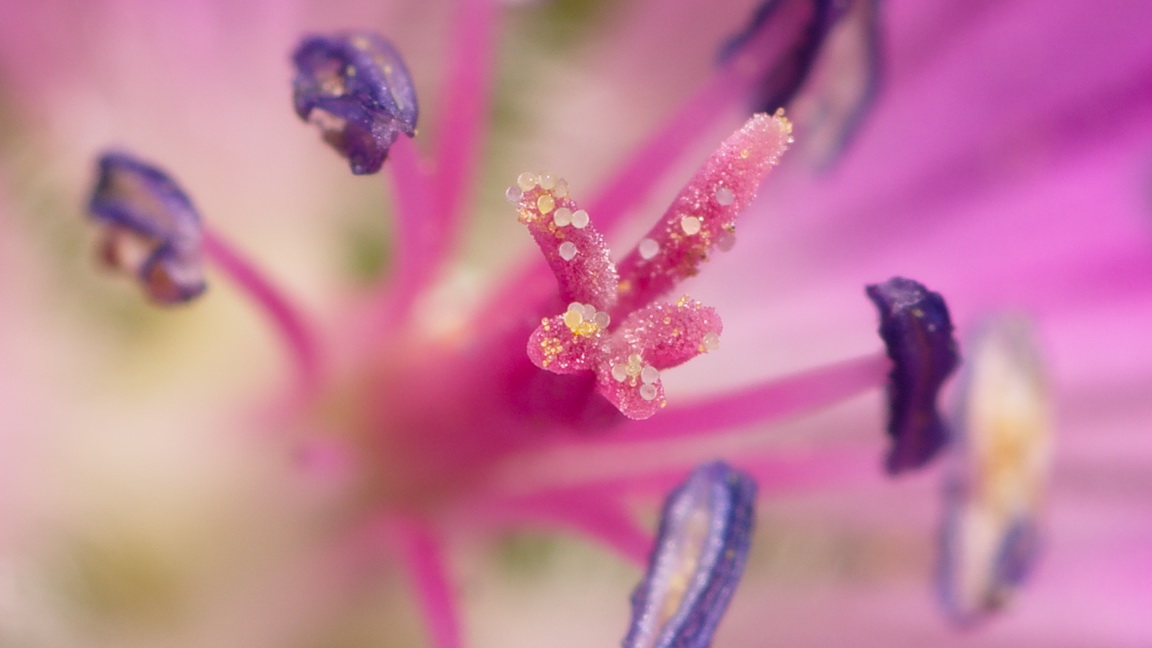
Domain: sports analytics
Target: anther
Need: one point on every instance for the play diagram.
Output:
(151, 228)
(357, 89)
(705, 531)
(917, 332)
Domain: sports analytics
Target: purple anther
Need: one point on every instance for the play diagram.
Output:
(150, 228)
(915, 326)
(356, 88)
(787, 36)
(705, 531)
(827, 48)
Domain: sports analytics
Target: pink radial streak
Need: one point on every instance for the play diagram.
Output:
(464, 113)
(421, 554)
(298, 335)
(427, 219)
(762, 403)
(415, 230)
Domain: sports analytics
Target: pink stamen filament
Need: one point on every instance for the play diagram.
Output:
(465, 106)
(763, 403)
(416, 231)
(294, 328)
(422, 556)
(429, 203)
(646, 447)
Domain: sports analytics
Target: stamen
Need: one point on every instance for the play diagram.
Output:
(996, 484)
(789, 34)
(357, 89)
(422, 557)
(917, 331)
(760, 404)
(465, 98)
(827, 49)
(696, 220)
(151, 229)
(283, 313)
(705, 530)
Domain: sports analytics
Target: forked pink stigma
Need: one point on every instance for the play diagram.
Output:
(613, 325)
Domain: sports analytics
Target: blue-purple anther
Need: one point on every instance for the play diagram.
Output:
(829, 48)
(917, 330)
(356, 88)
(792, 33)
(705, 530)
(150, 228)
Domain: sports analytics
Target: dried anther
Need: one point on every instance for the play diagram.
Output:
(917, 331)
(998, 472)
(150, 228)
(356, 88)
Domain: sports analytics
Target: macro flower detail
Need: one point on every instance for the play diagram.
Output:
(648, 336)
(356, 88)
(998, 471)
(705, 530)
(388, 426)
(149, 228)
(917, 332)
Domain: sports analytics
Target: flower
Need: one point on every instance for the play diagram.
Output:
(154, 510)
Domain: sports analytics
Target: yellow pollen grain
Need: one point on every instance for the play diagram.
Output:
(572, 319)
(545, 203)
